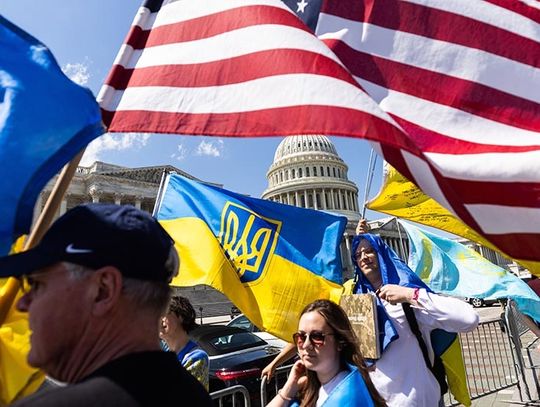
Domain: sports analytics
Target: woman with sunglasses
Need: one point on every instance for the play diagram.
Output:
(331, 370)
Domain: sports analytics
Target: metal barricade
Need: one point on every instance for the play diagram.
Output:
(270, 388)
(525, 367)
(488, 361)
(222, 396)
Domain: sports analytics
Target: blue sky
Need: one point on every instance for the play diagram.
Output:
(85, 37)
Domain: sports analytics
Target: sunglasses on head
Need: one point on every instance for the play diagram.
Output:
(315, 337)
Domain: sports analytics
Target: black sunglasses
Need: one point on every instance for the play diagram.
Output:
(315, 337)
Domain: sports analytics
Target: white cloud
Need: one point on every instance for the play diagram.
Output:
(77, 72)
(110, 142)
(210, 148)
(181, 153)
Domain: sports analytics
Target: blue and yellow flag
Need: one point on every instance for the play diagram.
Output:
(270, 259)
(45, 120)
(451, 268)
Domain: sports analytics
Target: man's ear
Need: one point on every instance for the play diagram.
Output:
(108, 282)
(164, 324)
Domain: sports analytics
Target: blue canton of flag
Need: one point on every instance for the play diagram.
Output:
(45, 119)
(307, 10)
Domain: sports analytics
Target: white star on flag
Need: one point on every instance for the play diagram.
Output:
(301, 6)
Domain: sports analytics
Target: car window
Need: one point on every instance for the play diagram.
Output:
(244, 323)
(237, 341)
(241, 322)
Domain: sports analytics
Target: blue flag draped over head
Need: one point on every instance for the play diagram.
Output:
(452, 268)
(394, 271)
(270, 259)
(45, 119)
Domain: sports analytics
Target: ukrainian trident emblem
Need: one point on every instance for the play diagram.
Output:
(248, 239)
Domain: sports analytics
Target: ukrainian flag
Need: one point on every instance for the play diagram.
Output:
(270, 259)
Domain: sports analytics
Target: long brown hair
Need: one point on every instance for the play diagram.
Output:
(349, 352)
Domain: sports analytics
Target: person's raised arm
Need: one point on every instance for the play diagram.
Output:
(362, 227)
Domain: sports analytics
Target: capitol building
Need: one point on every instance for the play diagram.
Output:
(308, 172)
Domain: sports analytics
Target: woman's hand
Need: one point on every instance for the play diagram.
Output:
(395, 294)
(268, 371)
(295, 380)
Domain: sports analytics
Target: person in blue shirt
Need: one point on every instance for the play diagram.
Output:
(175, 328)
(331, 371)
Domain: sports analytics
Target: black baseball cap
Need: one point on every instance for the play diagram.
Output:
(97, 235)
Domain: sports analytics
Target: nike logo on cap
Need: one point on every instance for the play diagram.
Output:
(72, 250)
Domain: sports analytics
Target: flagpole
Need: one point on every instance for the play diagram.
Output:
(11, 287)
(369, 179)
(400, 238)
(162, 185)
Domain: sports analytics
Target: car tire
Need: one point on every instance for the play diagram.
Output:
(477, 302)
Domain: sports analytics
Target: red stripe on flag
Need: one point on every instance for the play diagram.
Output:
(522, 246)
(396, 159)
(351, 10)
(433, 142)
(518, 194)
(293, 120)
(235, 70)
(453, 28)
(137, 37)
(216, 24)
(465, 95)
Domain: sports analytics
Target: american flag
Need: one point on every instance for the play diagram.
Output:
(454, 89)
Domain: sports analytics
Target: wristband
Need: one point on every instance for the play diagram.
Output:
(285, 398)
(415, 295)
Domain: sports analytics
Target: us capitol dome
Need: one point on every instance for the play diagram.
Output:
(308, 172)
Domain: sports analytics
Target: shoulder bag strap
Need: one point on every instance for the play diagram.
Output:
(411, 319)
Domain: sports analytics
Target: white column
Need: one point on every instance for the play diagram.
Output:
(94, 193)
(314, 194)
(323, 198)
(296, 197)
(138, 201)
(332, 199)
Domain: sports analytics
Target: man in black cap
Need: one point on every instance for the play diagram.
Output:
(95, 288)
